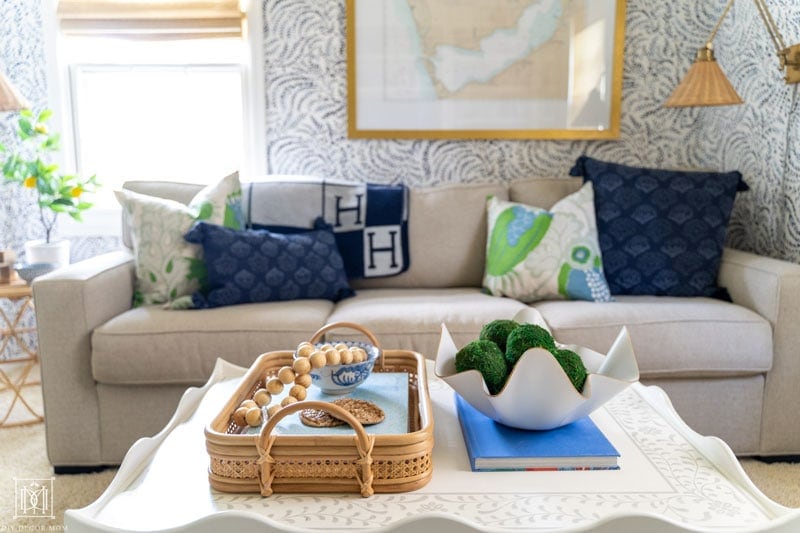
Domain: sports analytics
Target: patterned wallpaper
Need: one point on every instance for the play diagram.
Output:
(306, 92)
(22, 61)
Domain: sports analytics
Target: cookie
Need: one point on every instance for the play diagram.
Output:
(319, 419)
(365, 412)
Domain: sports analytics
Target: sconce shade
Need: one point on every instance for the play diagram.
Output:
(10, 99)
(704, 85)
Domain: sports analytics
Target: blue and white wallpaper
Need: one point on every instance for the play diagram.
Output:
(306, 100)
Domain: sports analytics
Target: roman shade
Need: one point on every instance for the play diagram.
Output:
(152, 19)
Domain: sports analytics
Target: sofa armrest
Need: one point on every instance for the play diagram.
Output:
(70, 303)
(771, 288)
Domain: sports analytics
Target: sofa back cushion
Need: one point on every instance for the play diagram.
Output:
(447, 226)
(447, 237)
(543, 192)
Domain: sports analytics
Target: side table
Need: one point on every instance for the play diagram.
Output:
(16, 368)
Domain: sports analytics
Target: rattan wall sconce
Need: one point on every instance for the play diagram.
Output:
(706, 85)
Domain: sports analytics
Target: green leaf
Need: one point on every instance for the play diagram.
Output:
(502, 255)
(25, 127)
(205, 211)
(76, 215)
(153, 278)
(173, 294)
(44, 115)
(27, 113)
(169, 266)
(62, 201)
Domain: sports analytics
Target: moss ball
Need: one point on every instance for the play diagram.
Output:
(525, 337)
(485, 357)
(498, 331)
(573, 367)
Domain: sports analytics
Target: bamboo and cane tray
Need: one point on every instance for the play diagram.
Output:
(361, 463)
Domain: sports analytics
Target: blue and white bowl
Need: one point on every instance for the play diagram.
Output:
(31, 271)
(342, 379)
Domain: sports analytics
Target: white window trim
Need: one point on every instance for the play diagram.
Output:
(107, 222)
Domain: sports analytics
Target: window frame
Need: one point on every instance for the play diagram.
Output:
(99, 221)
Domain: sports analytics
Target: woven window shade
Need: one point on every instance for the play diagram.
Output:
(152, 19)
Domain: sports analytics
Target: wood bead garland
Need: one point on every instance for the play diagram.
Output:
(251, 411)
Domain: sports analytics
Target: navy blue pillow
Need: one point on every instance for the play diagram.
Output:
(246, 266)
(661, 232)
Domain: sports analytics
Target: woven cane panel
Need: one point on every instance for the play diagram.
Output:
(234, 469)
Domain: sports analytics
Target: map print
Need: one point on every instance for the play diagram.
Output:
(471, 49)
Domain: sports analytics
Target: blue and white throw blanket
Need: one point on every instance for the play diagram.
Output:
(370, 221)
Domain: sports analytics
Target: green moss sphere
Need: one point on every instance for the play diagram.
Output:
(498, 331)
(525, 337)
(573, 366)
(485, 357)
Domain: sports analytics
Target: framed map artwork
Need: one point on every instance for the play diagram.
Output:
(485, 69)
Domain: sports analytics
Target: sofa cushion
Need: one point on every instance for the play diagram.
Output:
(661, 231)
(672, 337)
(411, 319)
(167, 267)
(447, 237)
(251, 266)
(152, 345)
(540, 254)
(543, 192)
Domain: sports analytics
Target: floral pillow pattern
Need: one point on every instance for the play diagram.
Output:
(169, 269)
(537, 254)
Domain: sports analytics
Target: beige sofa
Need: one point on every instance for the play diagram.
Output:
(112, 374)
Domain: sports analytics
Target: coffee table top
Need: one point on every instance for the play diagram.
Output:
(670, 479)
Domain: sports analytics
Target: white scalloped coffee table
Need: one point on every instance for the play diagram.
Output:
(671, 479)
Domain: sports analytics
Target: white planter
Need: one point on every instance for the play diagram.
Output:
(39, 251)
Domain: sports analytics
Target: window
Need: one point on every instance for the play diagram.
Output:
(157, 91)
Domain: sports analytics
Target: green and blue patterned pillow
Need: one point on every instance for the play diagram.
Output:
(661, 232)
(537, 254)
(262, 266)
(169, 269)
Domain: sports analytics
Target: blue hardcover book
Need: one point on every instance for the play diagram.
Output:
(493, 446)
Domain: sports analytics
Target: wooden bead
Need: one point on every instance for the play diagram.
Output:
(239, 416)
(253, 417)
(341, 346)
(347, 357)
(248, 403)
(301, 366)
(359, 355)
(305, 350)
(286, 375)
(262, 397)
(273, 409)
(287, 400)
(274, 386)
(324, 347)
(332, 357)
(299, 392)
(304, 380)
(317, 359)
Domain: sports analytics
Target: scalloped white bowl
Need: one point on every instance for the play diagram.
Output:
(538, 394)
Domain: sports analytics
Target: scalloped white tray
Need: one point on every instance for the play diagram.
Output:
(671, 479)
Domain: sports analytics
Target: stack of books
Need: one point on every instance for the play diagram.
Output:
(495, 447)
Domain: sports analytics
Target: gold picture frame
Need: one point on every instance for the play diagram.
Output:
(484, 69)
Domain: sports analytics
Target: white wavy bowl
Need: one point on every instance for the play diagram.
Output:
(538, 394)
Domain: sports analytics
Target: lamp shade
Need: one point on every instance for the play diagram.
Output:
(704, 85)
(10, 99)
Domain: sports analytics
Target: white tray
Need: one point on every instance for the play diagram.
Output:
(671, 479)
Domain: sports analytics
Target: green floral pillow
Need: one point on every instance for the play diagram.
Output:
(169, 269)
(534, 254)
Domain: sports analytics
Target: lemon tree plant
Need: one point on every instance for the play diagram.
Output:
(32, 168)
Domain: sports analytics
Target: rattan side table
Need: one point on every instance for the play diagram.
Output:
(16, 369)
